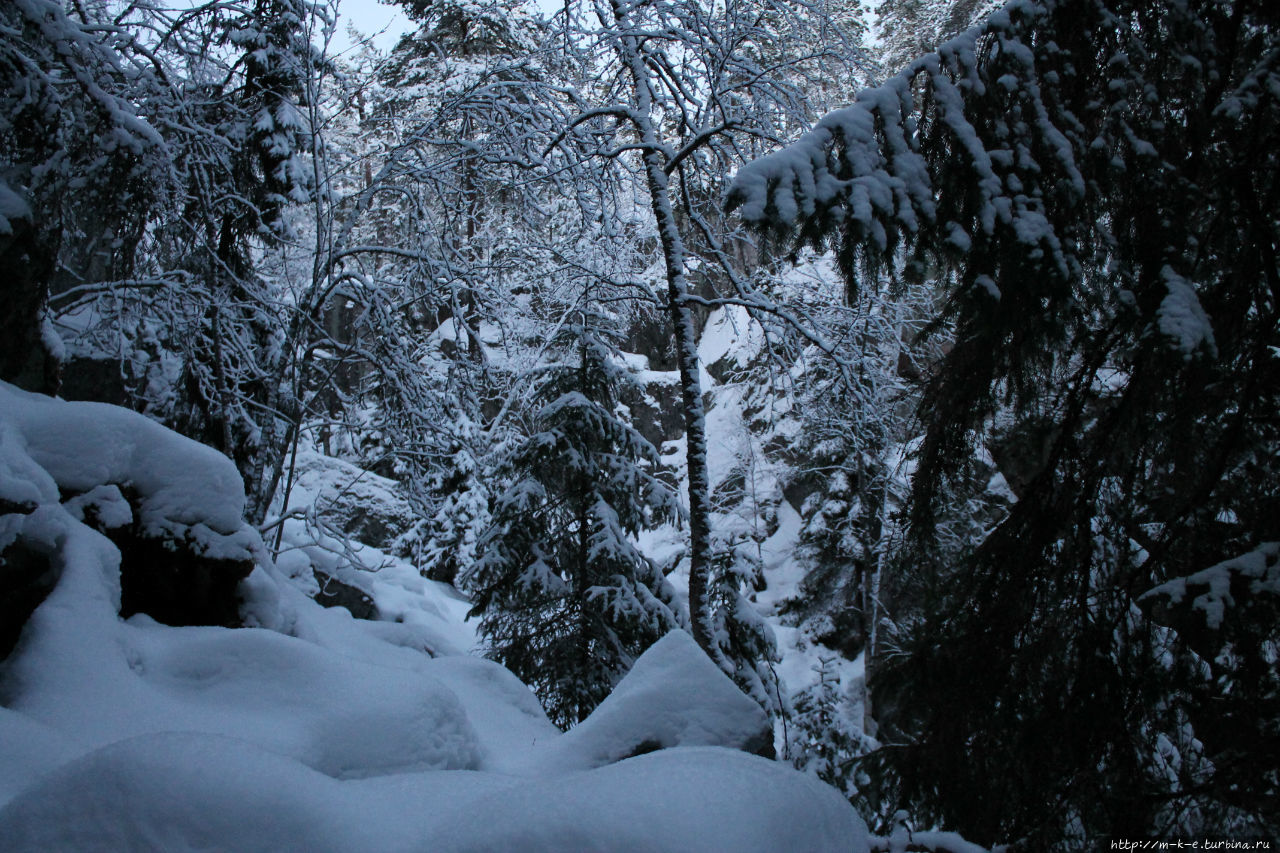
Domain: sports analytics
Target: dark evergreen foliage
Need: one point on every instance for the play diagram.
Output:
(79, 172)
(567, 600)
(1101, 177)
(451, 535)
(746, 644)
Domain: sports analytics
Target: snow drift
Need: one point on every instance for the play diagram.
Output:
(316, 731)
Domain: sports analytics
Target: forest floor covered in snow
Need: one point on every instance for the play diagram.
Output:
(313, 730)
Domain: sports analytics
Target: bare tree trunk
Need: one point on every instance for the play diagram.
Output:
(686, 339)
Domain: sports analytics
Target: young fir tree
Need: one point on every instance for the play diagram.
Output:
(747, 647)
(1098, 175)
(566, 599)
(451, 535)
(855, 422)
(825, 735)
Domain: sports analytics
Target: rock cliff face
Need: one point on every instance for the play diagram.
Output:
(96, 380)
(654, 404)
(361, 504)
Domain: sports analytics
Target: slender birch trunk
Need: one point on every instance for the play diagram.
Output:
(656, 155)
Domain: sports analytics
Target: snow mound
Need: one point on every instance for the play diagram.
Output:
(180, 791)
(673, 696)
(706, 799)
(28, 750)
(180, 483)
(173, 792)
(315, 731)
(183, 792)
(83, 672)
(340, 717)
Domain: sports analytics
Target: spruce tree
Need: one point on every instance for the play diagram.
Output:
(747, 647)
(855, 422)
(446, 546)
(567, 601)
(1099, 180)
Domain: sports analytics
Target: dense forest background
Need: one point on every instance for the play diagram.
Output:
(923, 361)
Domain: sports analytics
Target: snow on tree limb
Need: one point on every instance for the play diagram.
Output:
(869, 165)
(1218, 587)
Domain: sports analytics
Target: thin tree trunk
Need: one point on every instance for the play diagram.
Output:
(686, 340)
(582, 579)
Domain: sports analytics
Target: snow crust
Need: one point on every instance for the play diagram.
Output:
(313, 730)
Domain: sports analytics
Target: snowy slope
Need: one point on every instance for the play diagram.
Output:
(316, 731)
(750, 426)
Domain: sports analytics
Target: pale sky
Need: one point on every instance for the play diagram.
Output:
(371, 16)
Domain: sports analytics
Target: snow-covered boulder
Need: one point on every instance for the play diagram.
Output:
(183, 487)
(673, 696)
(172, 507)
(704, 799)
(359, 503)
